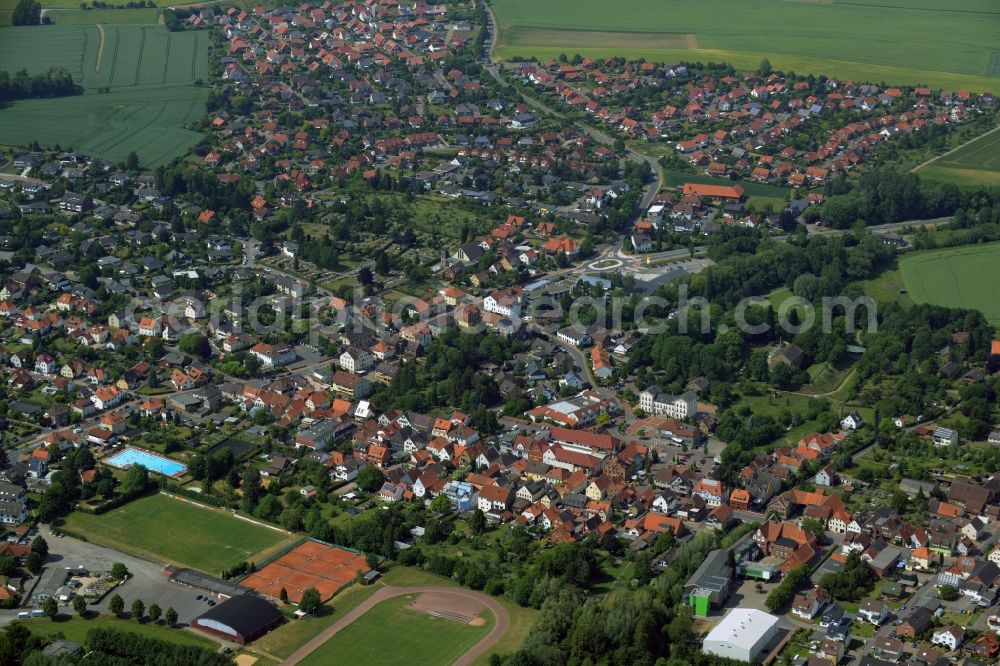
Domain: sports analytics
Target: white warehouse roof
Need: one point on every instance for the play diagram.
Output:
(743, 628)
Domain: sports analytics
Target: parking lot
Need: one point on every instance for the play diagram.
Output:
(146, 581)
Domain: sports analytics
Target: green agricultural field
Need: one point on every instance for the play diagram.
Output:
(961, 277)
(898, 41)
(138, 83)
(975, 163)
(106, 16)
(8, 5)
(391, 634)
(165, 529)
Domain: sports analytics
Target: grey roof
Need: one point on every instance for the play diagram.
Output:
(202, 581)
(713, 574)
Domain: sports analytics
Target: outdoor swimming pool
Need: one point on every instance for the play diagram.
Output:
(151, 461)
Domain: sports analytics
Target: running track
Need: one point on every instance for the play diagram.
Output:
(389, 592)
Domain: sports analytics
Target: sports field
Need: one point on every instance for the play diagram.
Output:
(138, 82)
(975, 163)
(951, 45)
(391, 634)
(170, 530)
(963, 277)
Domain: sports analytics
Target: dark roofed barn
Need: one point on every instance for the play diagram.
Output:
(240, 619)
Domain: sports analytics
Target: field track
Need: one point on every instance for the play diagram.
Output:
(100, 48)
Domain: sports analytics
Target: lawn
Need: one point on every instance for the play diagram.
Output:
(888, 288)
(975, 163)
(961, 277)
(390, 634)
(75, 628)
(901, 41)
(138, 88)
(289, 637)
(165, 529)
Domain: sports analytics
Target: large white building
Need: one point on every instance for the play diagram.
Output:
(742, 635)
(654, 401)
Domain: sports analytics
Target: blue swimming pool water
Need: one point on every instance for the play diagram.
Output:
(150, 461)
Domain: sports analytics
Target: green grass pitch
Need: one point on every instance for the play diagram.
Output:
(391, 634)
(165, 529)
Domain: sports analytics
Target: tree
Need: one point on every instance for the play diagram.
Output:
(7, 565)
(370, 479)
(50, 608)
(440, 504)
(40, 545)
(478, 522)
(283, 596)
(786, 589)
(196, 344)
(170, 616)
(132, 161)
(138, 609)
(154, 612)
(116, 605)
(765, 67)
(33, 562)
(135, 482)
(310, 601)
(948, 593)
(118, 571)
(27, 12)
(850, 583)
(79, 605)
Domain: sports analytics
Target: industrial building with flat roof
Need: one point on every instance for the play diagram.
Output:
(709, 584)
(743, 634)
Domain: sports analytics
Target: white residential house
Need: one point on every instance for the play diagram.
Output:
(494, 499)
(945, 436)
(825, 477)
(574, 335)
(874, 611)
(46, 364)
(851, 422)
(503, 302)
(356, 360)
(808, 604)
(150, 326)
(272, 355)
(950, 637)
(13, 512)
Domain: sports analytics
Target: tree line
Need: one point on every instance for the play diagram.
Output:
(54, 82)
(885, 195)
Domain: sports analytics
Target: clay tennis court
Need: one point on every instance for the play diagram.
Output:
(310, 564)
